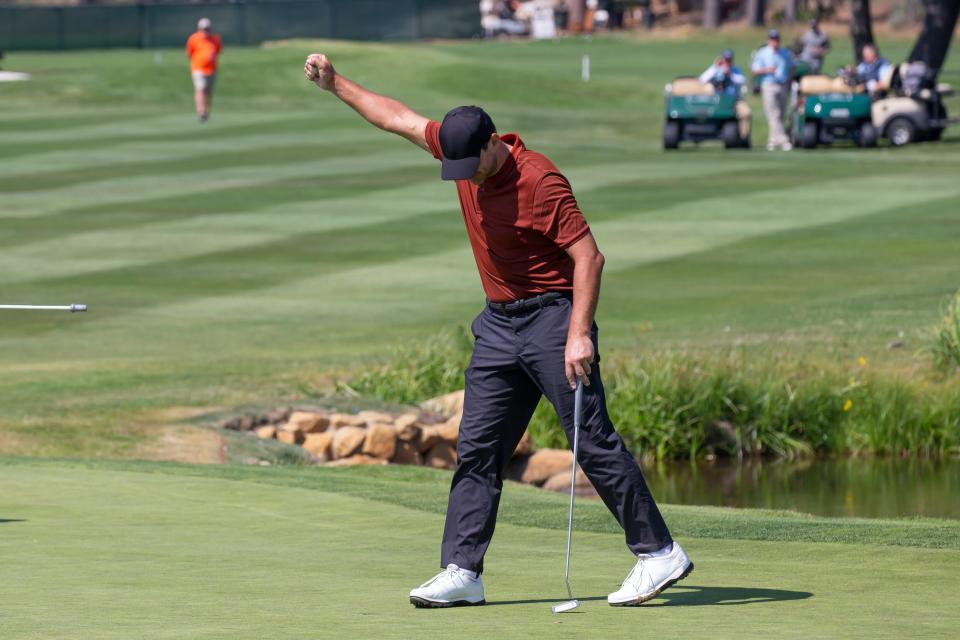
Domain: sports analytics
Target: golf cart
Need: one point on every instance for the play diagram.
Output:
(698, 112)
(827, 109)
(912, 109)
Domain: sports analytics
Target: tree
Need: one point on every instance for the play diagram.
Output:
(755, 12)
(790, 12)
(860, 27)
(934, 39)
(711, 14)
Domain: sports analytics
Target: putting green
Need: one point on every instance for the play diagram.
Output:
(137, 551)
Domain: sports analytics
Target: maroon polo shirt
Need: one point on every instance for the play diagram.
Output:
(520, 222)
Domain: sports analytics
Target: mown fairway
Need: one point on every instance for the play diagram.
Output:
(253, 258)
(159, 551)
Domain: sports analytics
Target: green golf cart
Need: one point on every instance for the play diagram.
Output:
(826, 109)
(696, 112)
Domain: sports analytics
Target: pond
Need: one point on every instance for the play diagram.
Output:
(849, 487)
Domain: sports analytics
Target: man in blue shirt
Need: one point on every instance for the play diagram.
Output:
(772, 64)
(872, 68)
(728, 80)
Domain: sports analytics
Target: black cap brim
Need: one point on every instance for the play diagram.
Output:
(462, 169)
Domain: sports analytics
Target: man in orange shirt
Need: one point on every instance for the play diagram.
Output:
(203, 47)
(540, 269)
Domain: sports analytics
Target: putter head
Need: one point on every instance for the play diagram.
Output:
(74, 308)
(563, 607)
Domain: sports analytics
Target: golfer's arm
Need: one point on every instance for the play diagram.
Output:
(588, 266)
(383, 112)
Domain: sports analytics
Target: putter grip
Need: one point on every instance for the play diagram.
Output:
(74, 308)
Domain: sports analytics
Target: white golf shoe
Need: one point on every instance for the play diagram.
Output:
(452, 587)
(650, 576)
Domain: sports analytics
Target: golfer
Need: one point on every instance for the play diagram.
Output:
(203, 49)
(540, 269)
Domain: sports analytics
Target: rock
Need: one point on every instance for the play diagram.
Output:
(353, 461)
(268, 432)
(446, 405)
(441, 456)
(239, 423)
(309, 421)
(277, 416)
(338, 420)
(429, 437)
(407, 453)
(545, 463)
(896, 344)
(408, 427)
(525, 447)
(561, 481)
(374, 417)
(381, 441)
(290, 436)
(450, 429)
(347, 440)
(319, 445)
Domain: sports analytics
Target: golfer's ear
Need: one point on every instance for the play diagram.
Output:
(494, 139)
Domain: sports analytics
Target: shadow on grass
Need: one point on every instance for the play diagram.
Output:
(693, 596)
(5, 520)
(684, 595)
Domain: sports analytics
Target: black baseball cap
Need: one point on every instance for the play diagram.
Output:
(727, 54)
(463, 133)
(773, 34)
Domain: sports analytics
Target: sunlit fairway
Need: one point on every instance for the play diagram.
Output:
(255, 258)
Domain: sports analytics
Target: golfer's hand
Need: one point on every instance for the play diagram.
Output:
(578, 358)
(319, 70)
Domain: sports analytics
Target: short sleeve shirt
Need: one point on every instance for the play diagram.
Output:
(520, 222)
(203, 50)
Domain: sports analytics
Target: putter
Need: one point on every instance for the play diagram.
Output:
(72, 308)
(572, 603)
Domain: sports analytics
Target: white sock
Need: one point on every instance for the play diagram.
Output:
(661, 552)
(470, 574)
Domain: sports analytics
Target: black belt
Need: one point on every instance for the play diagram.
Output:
(517, 307)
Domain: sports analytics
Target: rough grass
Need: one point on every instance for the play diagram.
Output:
(673, 405)
(945, 345)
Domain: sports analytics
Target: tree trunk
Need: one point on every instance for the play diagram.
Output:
(711, 14)
(790, 12)
(577, 10)
(861, 27)
(755, 12)
(938, 25)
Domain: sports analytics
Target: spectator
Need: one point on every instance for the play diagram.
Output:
(814, 47)
(772, 64)
(499, 17)
(727, 79)
(872, 68)
(203, 48)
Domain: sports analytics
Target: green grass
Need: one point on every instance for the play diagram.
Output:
(120, 550)
(286, 243)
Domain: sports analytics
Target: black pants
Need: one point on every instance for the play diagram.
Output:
(515, 361)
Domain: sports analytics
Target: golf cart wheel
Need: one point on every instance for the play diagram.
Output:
(901, 131)
(730, 135)
(935, 134)
(868, 135)
(810, 135)
(671, 134)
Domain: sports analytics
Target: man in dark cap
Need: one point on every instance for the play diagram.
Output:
(540, 269)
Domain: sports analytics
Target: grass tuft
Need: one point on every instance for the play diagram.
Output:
(945, 345)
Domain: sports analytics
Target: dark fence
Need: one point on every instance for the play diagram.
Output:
(244, 22)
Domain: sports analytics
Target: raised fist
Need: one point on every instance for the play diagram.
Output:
(319, 70)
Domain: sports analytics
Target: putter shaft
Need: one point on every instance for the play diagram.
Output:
(577, 406)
